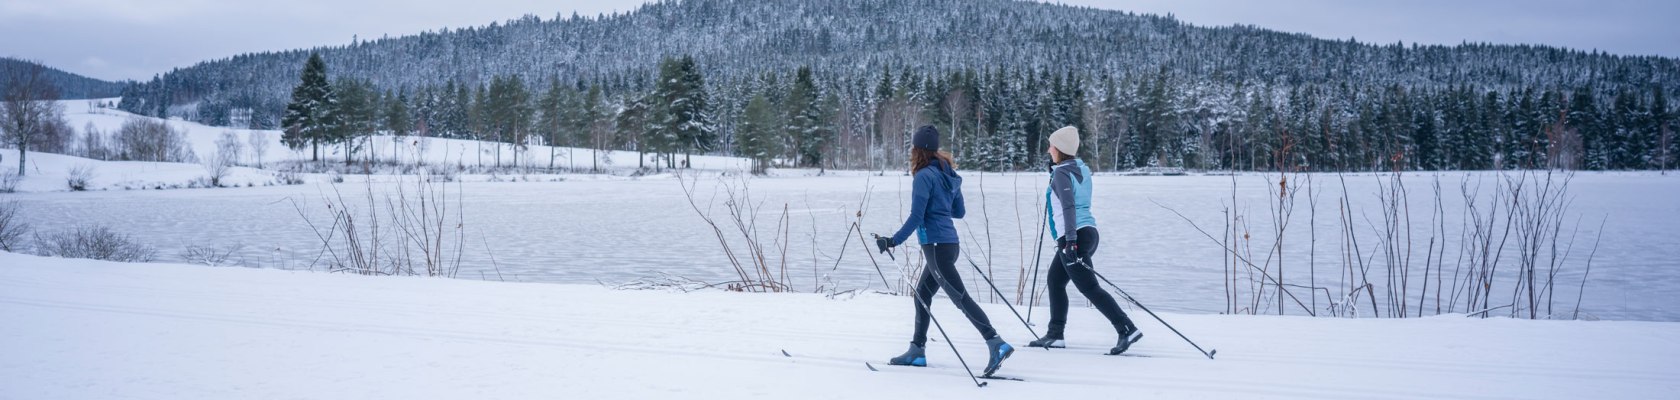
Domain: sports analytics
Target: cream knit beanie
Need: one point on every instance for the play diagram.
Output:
(1066, 140)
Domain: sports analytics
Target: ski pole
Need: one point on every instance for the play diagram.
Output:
(1129, 298)
(1032, 294)
(1000, 294)
(929, 311)
(866, 252)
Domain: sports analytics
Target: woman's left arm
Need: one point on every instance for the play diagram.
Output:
(958, 210)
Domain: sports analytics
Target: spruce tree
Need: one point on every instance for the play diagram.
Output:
(804, 120)
(550, 116)
(309, 118)
(398, 119)
(1662, 125)
(592, 125)
(1583, 120)
(356, 117)
(757, 135)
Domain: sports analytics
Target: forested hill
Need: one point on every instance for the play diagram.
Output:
(1101, 54)
(67, 85)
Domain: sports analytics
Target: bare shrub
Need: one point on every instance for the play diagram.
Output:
(8, 180)
(11, 229)
(146, 139)
(758, 273)
(79, 177)
(95, 242)
(259, 145)
(288, 178)
(95, 144)
(1517, 237)
(417, 229)
(223, 159)
(210, 255)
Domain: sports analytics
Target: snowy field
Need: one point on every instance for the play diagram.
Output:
(94, 330)
(47, 172)
(284, 328)
(616, 228)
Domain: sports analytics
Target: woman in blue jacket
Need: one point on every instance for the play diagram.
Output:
(1068, 201)
(936, 199)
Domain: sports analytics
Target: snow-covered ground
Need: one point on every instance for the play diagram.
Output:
(47, 172)
(88, 329)
(77, 329)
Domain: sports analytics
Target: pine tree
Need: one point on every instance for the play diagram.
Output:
(1583, 120)
(309, 118)
(1157, 123)
(1662, 125)
(399, 120)
(805, 120)
(357, 116)
(580, 113)
(756, 137)
(550, 116)
(592, 125)
(680, 114)
(1636, 136)
(632, 126)
(510, 114)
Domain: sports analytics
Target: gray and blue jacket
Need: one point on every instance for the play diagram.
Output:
(1068, 199)
(936, 197)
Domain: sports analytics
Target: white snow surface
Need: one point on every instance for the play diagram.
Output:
(46, 172)
(80, 329)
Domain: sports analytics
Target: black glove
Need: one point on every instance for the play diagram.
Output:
(1068, 248)
(1050, 166)
(883, 243)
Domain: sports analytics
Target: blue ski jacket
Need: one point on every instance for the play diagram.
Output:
(1068, 199)
(936, 198)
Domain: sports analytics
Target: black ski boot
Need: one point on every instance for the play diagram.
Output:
(1051, 340)
(1128, 336)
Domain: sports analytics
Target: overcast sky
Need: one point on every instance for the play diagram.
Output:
(129, 39)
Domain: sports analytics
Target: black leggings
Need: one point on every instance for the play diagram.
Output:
(1084, 279)
(941, 271)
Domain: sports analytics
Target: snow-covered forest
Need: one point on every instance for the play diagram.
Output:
(1149, 91)
(66, 85)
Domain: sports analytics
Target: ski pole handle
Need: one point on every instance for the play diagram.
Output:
(885, 245)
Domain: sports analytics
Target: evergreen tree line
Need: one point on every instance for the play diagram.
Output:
(851, 44)
(999, 120)
(65, 85)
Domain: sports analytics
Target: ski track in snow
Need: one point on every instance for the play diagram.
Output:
(86, 329)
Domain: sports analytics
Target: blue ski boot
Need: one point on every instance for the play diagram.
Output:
(915, 357)
(999, 351)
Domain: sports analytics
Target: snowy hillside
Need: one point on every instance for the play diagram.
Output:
(48, 172)
(78, 329)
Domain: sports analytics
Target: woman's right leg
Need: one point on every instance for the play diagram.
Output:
(944, 256)
(1085, 278)
(926, 287)
(1056, 283)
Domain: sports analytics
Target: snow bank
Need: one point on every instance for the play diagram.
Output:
(87, 329)
(48, 172)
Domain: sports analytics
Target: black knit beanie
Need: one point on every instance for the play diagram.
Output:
(926, 137)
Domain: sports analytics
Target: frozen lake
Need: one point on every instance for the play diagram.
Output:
(616, 231)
